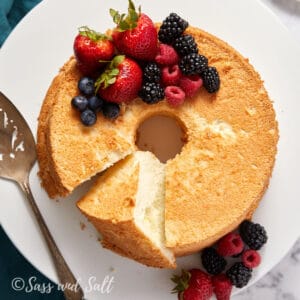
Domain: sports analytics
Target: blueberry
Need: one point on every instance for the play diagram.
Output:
(88, 117)
(80, 103)
(95, 103)
(111, 110)
(86, 86)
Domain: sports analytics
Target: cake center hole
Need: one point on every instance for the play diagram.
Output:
(162, 135)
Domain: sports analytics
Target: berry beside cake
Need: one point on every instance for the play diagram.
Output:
(144, 209)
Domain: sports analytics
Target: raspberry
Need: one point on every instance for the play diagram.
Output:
(190, 84)
(251, 259)
(170, 75)
(151, 93)
(222, 287)
(151, 73)
(239, 275)
(185, 45)
(211, 80)
(171, 28)
(175, 95)
(193, 63)
(254, 235)
(212, 262)
(231, 244)
(166, 55)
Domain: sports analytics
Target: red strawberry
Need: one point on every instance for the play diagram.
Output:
(135, 35)
(230, 245)
(222, 287)
(90, 47)
(193, 285)
(251, 258)
(121, 80)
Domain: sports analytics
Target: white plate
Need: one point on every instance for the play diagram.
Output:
(31, 57)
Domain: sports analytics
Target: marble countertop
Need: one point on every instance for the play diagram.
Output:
(282, 282)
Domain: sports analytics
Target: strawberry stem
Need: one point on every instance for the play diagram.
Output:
(126, 22)
(109, 76)
(182, 281)
(92, 34)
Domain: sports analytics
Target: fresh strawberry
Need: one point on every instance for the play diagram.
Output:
(135, 34)
(222, 287)
(193, 285)
(90, 47)
(121, 80)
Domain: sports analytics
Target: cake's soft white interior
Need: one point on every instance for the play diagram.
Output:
(149, 213)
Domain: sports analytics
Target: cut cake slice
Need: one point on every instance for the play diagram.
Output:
(126, 205)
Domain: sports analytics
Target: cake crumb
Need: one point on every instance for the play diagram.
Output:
(82, 225)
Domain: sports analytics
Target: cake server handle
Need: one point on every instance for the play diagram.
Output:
(69, 284)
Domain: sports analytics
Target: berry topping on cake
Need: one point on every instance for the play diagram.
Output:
(253, 234)
(230, 245)
(193, 284)
(171, 75)
(212, 262)
(185, 45)
(174, 95)
(95, 103)
(80, 102)
(121, 80)
(193, 63)
(239, 274)
(111, 110)
(86, 86)
(135, 35)
(172, 27)
(211, 80)
(251, 258)
(190, 84)
(152, 73)
(166, 55)
(151, 92)
(148, 64)
(88, 117)
(222, 287)
(90, 48)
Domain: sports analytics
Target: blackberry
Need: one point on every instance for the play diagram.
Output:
(172, 27)
(152, 72)
(152, 92)
(192, 64)
(111, 110)
(213, 262)
(254, 235)
(211, 80)
(239, 275)
(185, 45)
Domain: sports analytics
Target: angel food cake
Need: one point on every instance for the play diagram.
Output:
(144, 209)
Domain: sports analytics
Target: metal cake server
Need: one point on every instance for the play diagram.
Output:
(17, 157)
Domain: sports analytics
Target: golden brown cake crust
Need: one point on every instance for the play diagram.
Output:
(223, 170)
